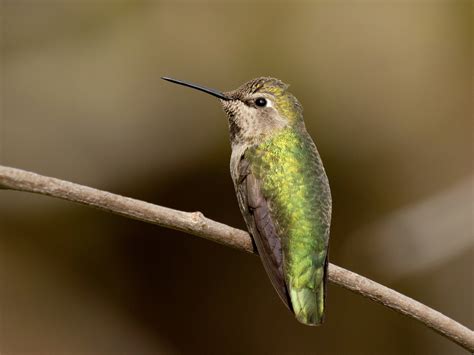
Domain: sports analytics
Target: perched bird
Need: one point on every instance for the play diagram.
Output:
(282, 190)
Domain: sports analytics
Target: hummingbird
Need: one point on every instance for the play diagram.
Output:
(282, 190)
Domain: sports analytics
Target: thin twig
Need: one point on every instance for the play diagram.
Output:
(195, 223)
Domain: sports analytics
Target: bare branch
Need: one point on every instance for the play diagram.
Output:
(195, 223)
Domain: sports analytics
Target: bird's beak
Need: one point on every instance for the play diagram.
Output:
(209, 91)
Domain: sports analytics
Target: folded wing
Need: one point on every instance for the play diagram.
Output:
(256, 211)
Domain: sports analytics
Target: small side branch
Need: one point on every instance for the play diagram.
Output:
(196, 224)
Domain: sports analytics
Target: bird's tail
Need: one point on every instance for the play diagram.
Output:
(309, 303)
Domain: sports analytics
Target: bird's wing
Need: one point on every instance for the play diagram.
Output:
(256, 211)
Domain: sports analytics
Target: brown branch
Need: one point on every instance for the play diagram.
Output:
(195, 223)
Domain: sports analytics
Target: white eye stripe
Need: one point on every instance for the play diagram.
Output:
(269, 103)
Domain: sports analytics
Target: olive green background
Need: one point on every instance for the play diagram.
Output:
(387, 92)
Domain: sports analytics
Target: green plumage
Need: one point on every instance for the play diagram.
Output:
(282, 190)
(294, 183)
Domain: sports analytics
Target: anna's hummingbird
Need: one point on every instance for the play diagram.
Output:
(282, 190)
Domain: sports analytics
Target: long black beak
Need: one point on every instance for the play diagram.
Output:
(212, 92)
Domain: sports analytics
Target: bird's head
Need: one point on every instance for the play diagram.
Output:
(257, 109)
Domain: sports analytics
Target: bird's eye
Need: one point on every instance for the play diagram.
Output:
(261, 102)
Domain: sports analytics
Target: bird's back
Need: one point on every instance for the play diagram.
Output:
(293, 182)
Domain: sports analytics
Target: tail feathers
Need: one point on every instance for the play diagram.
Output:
(308, 304)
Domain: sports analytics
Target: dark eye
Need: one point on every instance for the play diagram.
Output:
(261, 102)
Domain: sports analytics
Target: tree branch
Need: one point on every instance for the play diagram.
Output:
(195, 223)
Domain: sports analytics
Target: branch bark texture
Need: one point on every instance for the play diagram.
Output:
(196, 224)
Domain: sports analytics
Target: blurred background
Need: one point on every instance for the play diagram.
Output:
(387, 92)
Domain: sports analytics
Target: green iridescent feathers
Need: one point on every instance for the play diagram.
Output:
(282, 190)
(293, 181)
